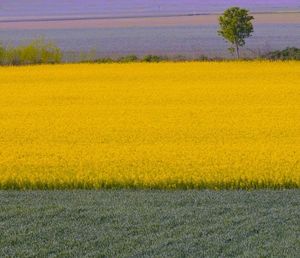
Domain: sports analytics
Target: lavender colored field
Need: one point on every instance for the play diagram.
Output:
(186, 40)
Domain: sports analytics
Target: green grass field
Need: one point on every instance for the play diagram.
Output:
(127, 223)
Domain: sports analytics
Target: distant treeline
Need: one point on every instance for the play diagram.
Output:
(41, 51)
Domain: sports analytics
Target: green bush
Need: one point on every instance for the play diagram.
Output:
(128, 59)
(154, 59)
(103, 60)
(2, 54)
(290, 53)
(12, 56)
(202, 58)
(37, 52)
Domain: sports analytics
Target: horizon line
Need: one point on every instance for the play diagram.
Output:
(80, 18)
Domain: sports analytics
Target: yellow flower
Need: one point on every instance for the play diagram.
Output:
(168, 125)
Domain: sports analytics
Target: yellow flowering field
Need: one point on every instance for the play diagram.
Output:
(216, 125)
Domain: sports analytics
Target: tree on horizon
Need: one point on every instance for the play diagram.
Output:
(235, 26)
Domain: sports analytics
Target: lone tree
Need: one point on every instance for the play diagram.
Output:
(235, 27)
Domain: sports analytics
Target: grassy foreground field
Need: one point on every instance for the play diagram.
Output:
(230, 125)
(153, 223)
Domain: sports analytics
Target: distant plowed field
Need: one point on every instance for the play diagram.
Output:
(233, 125)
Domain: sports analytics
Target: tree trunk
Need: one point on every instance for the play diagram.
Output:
(237, 50)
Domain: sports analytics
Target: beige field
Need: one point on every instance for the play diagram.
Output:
(168, 125)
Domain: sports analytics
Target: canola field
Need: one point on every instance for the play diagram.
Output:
(214, 125)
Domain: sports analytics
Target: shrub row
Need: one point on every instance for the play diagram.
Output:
(44, 52)
(149, 59)
(286, 54)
